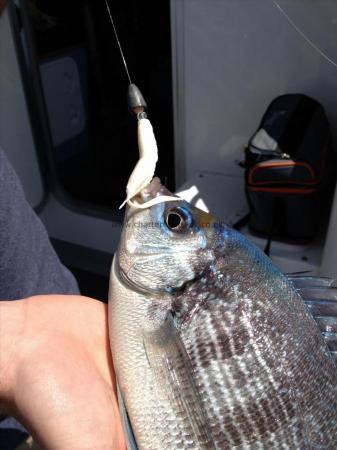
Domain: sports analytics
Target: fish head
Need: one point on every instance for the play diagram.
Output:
(166, 245)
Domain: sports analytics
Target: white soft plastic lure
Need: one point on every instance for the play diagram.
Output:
(143, 172)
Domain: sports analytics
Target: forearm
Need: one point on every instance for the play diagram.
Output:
(29, 265)
(11, 328)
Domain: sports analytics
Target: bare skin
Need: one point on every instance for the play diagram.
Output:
(56, 373)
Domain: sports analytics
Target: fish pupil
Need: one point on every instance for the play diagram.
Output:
(175, 219)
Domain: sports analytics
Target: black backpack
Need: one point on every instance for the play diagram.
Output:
(290, 169)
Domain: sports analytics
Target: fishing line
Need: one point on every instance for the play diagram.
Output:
(118, 42)
(304, 36)
(149, 146)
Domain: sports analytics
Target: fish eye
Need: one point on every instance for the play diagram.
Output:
(176, 219)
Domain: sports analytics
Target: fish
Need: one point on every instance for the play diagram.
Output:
(214, 347)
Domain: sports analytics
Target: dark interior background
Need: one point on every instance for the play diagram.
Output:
(95, 166)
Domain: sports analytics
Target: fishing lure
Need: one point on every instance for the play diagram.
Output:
(142, 175)
(145, 168)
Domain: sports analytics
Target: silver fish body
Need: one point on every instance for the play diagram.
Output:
(212, 345)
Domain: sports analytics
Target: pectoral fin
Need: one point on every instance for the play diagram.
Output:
(174, 374)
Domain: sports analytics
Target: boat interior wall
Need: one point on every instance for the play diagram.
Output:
(233, 57)
(230, 59)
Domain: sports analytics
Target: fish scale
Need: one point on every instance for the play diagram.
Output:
(213, 347)
(259, 362)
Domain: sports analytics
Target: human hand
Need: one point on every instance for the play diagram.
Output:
(56, 374)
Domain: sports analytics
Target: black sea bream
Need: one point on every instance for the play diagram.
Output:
(212, 345)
